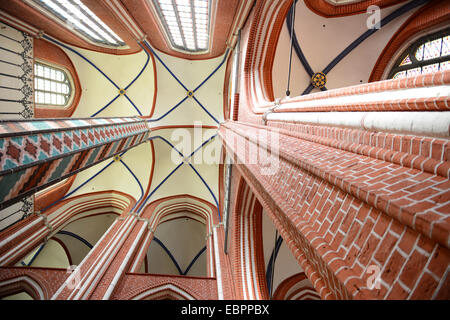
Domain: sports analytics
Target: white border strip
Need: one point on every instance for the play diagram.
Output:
(427, 123)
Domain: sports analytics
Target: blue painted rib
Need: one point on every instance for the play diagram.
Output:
(108, 78)
(129, 85)
(194, 260)
(165, 66)
(134, 176)
(403, 9)
(137, 180)
(165, 114)
(169, 254)
(77, 188)
(193, 168)
(159, 185)
(185, 272)
(81, 185)
(185, 88)
(201, 178)
(106, 106)
(272, 261)
(142, 70)
(214, 71)
(209, 189)
(134, 106)
(295, 44)
(209, 113)
(202, 145)
(73, 235)
(173, 171)
(81, 56)
(170, 144)
(35, 256)
(308, 89)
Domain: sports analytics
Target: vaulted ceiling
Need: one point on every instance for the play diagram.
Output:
(157, 78)
(133, 20)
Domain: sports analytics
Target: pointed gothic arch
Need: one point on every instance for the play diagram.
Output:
(20, 284)
(248, 251)
(167, 291)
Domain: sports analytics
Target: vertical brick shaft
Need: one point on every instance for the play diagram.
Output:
(343, 213)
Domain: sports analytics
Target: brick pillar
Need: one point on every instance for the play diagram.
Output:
(92, 278)
(104, 271)
(349, 211)
(18, 240)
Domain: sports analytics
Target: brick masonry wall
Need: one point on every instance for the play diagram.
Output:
(341, 213)
(48, 280)
(245, 228)
(296, 287)
(349, 203)
(134, 284)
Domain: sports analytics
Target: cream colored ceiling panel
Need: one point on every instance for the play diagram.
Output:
(184, 247)
(184, 180)
(51, 256)
(98, 91)
(90, 229)
(116, 176)
(191, 73)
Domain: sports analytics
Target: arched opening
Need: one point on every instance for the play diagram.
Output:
(178, 248)
(284, 276)
(165, 292)
(23, 295)
(22, 288)
(296, 287)
(50, 254)
(264, 262)
(71, 244)
(180, 241)
(248, 250)
(428, 54)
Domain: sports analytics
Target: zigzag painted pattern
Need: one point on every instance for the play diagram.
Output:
(31, 162)
(25, 149)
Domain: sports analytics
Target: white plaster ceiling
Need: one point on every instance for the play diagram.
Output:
(321, 40)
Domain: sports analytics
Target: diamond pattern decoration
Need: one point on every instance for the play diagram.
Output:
(46, 144)
(65, 146)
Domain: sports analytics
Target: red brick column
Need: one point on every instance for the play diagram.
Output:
(91, 279)
(246, 251)
(105, 271)
(344, 214)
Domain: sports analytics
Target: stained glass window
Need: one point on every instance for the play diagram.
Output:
(51, 85)
(427, 55)
(406, 61)
(186, 23)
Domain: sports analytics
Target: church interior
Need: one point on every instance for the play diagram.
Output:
(224, 150)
